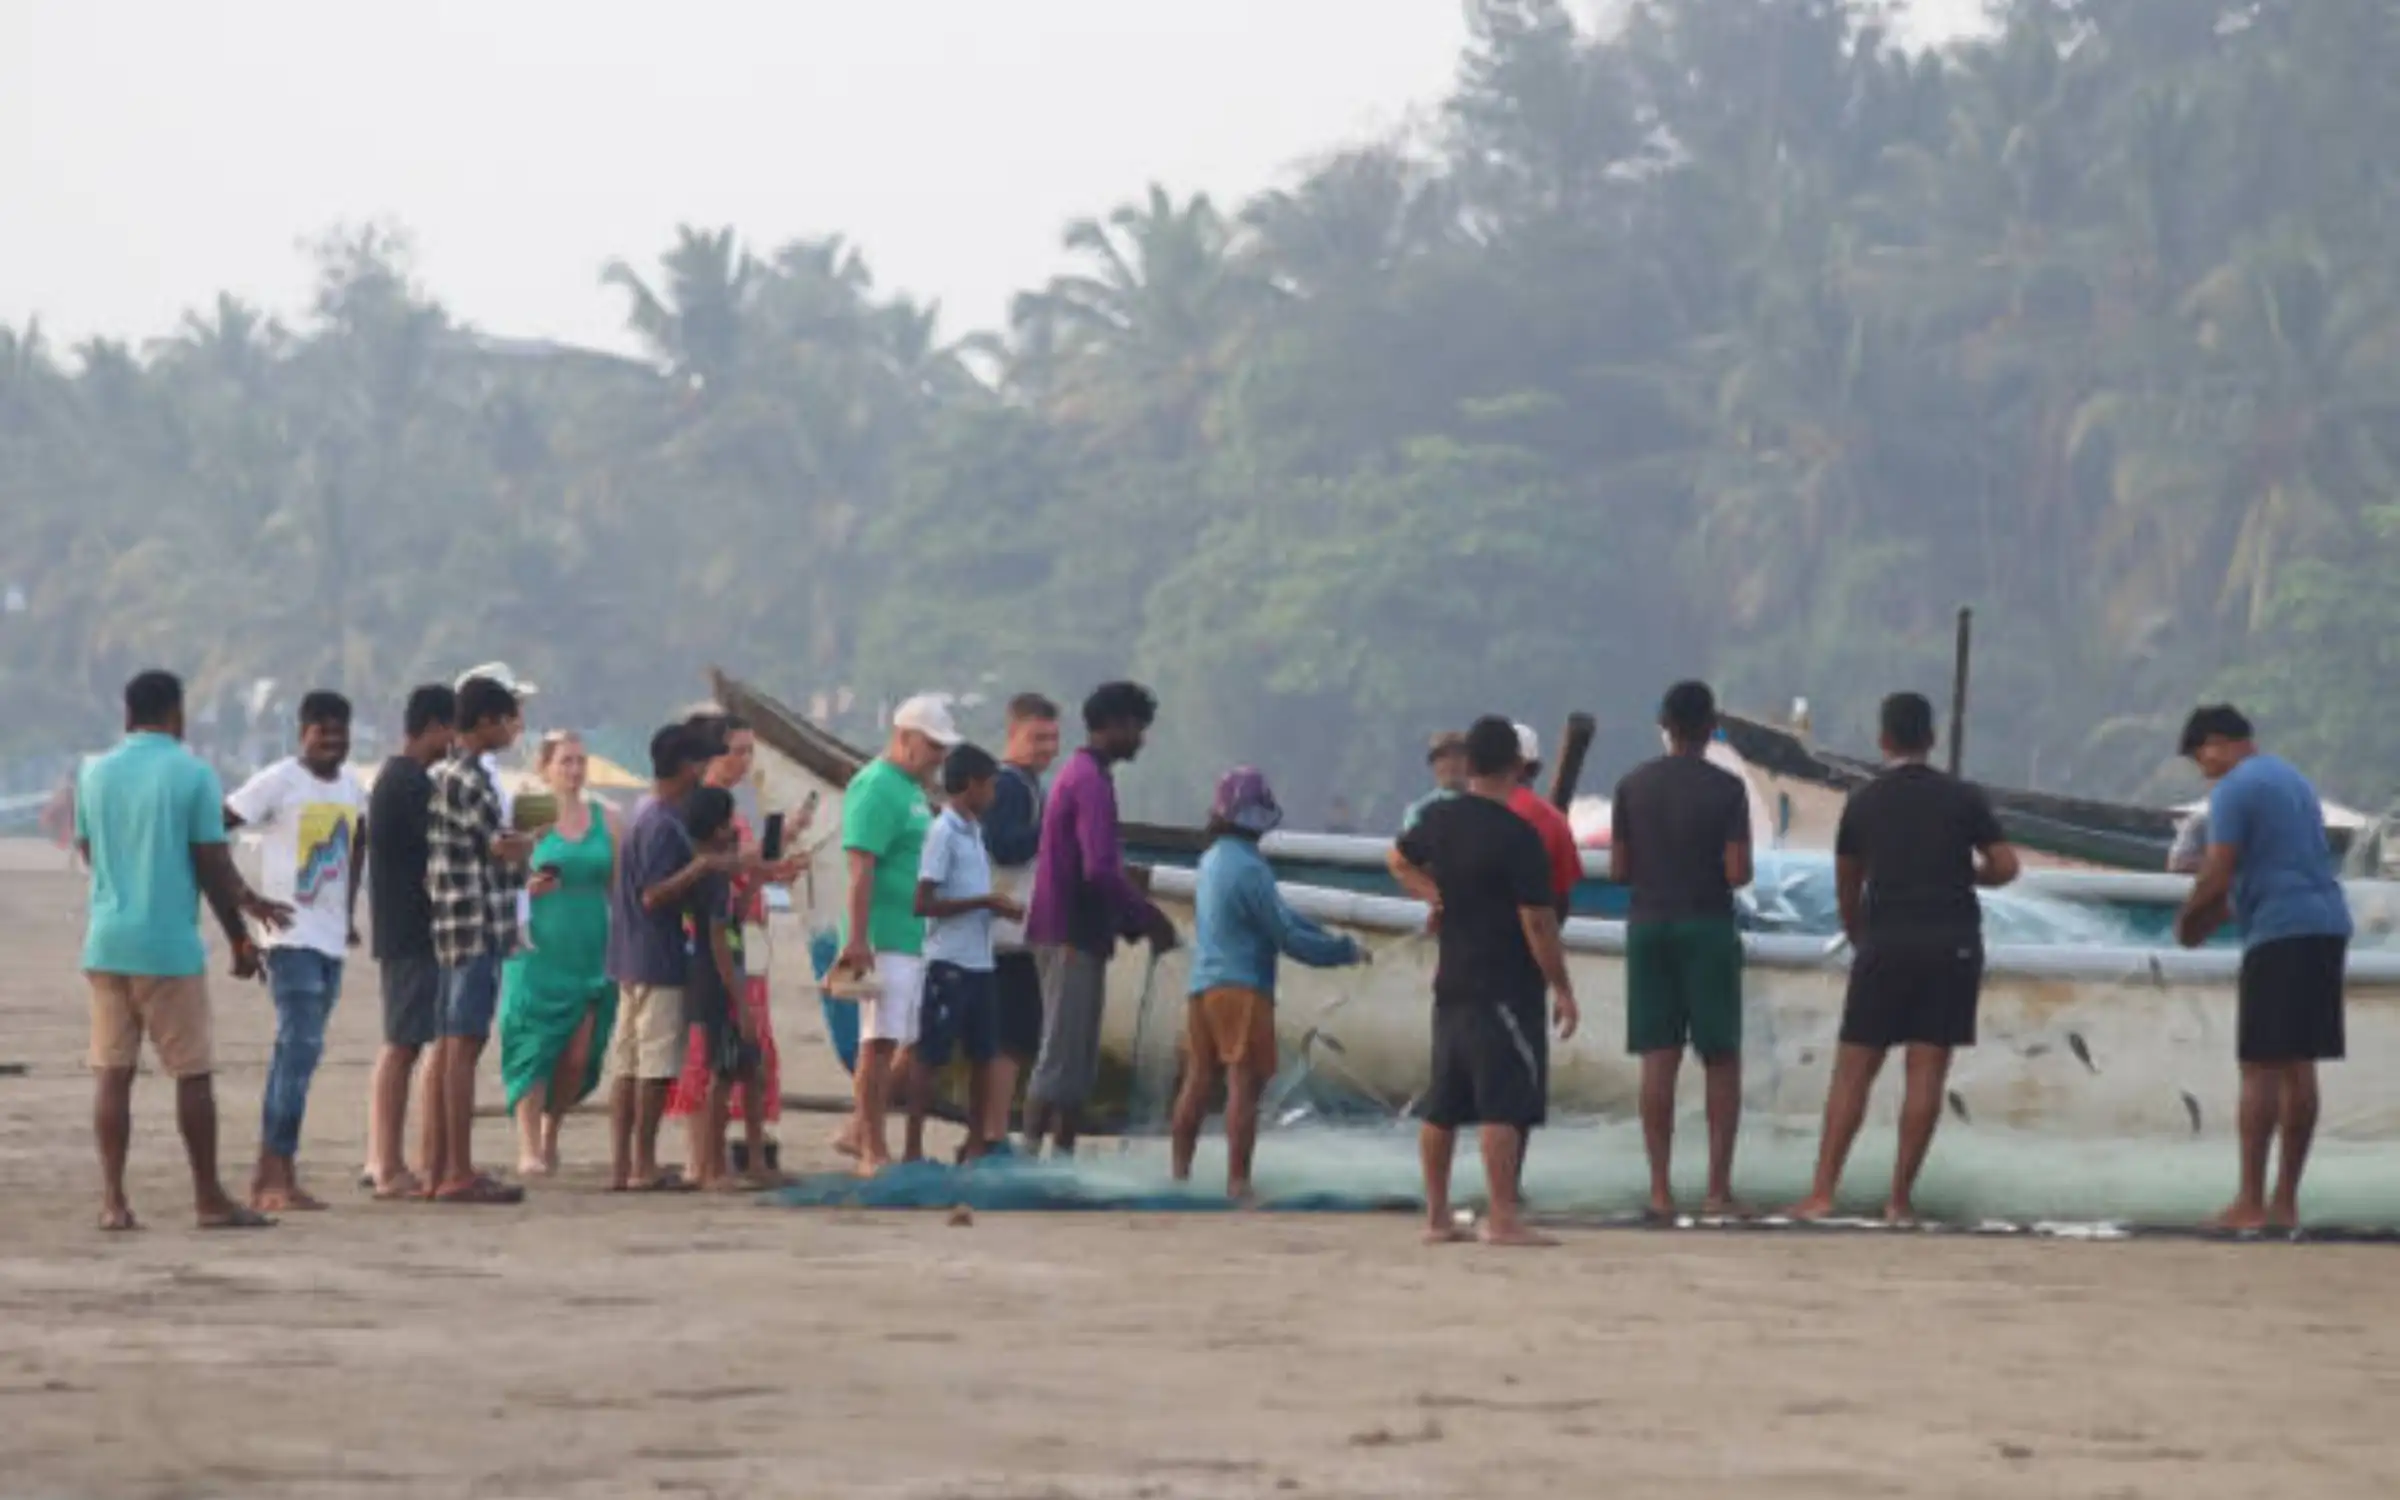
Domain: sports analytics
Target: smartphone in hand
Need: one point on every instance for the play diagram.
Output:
(770, 843)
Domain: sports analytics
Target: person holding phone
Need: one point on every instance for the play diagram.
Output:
(557, 1007)
(756, 1098)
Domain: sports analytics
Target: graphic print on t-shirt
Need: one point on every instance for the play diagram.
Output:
(322, 856)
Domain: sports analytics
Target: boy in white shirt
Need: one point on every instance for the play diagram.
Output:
(962, 998)
(306, 811)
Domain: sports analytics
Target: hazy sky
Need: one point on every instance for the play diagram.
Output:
(153, 152)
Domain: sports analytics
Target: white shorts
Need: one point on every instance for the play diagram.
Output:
(892, 1016)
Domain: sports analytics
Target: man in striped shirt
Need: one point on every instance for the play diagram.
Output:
(474, 869)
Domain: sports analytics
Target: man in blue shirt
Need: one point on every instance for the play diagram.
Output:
(150, 822)
(2269, 863)
(1240, 925)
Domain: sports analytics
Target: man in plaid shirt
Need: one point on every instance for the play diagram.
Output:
(474, 870)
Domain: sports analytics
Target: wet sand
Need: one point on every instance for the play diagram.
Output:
(589, 1344)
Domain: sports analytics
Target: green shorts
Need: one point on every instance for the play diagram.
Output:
(1683, 987)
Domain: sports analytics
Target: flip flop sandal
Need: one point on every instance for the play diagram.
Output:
(238, 1218)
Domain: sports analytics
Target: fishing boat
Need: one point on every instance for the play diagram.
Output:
(2100, 1031)
(2074, 830)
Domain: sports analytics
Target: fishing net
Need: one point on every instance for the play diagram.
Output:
(1331, 1142)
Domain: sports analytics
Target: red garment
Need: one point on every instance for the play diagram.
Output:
(1558, 838)
(691, 1090)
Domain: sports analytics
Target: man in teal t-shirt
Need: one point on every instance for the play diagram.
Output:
(884, 821)
(150, 821)
(2269, 862)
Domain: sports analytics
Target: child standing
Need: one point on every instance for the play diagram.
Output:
(713, 988)
(1242, 924)
(962, 997)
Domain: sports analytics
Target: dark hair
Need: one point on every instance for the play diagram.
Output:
(705, 734)
(1688, 712)
(1492, 746)
(1115, 703)
(706, 812)
(1032, 706)
(481, 700)
(152, 698)
(1908, 723)
(674, 747)
(434, 703)
(324, 706)
(2213, 721)
(967, 764)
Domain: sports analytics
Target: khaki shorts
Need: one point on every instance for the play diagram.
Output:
(171, 1012)
(1232, 1026)
(649, 1039)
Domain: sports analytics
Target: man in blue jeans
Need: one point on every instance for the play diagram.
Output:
(2268, 865)
(306, 809)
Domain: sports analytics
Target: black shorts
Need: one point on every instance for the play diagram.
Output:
(412, 1000)
(1491, 1066)
(709, 1007)
(1913, 992)
(1019, 981)
(2291, 1001)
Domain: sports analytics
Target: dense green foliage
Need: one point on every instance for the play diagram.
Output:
(1739, 341)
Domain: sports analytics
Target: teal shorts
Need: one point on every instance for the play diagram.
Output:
(1683, 987)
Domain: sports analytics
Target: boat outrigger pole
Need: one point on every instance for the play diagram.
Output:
(1573, 746)
(1958, 689)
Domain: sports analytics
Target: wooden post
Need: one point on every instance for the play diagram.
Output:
(1958, 690)
(1573, 746)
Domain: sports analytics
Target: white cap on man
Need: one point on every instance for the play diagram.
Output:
(928, 714)
(497, 671)
(1529, 745)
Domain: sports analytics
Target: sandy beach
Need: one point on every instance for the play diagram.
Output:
(587, 1344)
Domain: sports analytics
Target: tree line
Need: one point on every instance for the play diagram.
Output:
(1739, 340)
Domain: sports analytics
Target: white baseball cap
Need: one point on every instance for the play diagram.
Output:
(1529, 744)
(497, 671)
(929, 715)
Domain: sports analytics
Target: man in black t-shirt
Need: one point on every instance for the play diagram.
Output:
(1680, 838)
(1911, 850)
(401, 916)
(1481, 870)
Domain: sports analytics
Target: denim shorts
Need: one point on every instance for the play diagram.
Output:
(470, 995)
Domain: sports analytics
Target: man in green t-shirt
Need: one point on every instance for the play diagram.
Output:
(884, 822)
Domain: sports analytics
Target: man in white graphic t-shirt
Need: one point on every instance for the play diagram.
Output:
(306, 811)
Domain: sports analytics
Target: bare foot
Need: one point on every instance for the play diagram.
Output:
(2240, 1218)
(1727, 1208)
(761, 1180)
(1441, 1230)
(1662, 1209)
(1814, 1206)
(532, 1166)
(118, 1220)
(284, 1200)
(2284, 1216)
(1515, 1236)
(1900, 1215)
(845, 1142)
(401, 1184)
(868, 1166)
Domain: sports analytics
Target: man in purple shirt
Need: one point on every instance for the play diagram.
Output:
(1083, 903)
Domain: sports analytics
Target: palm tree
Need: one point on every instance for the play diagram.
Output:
(1143, 338)
(695, 321)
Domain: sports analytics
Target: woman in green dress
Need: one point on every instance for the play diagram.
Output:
(556, 1002)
